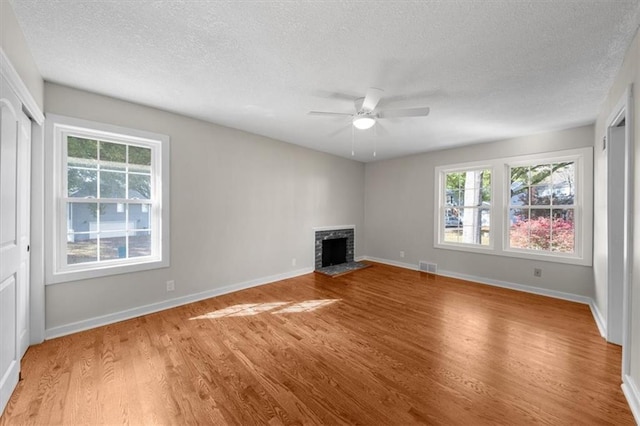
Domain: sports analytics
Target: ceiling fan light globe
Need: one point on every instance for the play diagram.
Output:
(363, 123)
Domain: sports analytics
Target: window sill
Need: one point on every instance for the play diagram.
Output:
(539, 257)
(104, 271)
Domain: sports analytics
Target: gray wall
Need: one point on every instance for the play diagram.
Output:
(629, 74)
(15, 47)
(242, 206)
(399, 214)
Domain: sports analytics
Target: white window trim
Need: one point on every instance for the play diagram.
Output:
(500, 185)
(56, 127)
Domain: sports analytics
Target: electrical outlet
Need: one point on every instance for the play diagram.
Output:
(294, 262)
(537, 272)
(171, 285)
(402, 254)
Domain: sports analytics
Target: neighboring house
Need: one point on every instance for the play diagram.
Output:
(83, 221)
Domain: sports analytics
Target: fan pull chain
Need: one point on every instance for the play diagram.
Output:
(353, 136)
(375, 139)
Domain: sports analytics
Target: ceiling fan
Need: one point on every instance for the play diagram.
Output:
(366, 115)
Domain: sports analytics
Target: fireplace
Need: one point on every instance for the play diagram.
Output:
(334, 251)
(324, 238)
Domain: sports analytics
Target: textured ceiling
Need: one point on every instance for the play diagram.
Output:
(487, 69)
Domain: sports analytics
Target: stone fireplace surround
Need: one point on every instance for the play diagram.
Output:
(332, 232)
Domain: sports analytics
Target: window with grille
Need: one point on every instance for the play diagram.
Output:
(111, 190)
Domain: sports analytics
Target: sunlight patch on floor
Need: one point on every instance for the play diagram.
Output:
(249, 309)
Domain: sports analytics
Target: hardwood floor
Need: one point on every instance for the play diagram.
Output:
(380, 346)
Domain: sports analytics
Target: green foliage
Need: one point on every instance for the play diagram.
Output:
(536, 175)
(456, 186)
(139, 155)
(114, 158)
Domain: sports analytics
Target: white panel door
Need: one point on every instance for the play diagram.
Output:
(24, 237)
(10, 108)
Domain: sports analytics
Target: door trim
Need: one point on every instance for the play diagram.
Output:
(20, 89)
(624, 110)
(33, 111)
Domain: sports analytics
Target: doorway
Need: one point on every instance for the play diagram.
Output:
(619, 151)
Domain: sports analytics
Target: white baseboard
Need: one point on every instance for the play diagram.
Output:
(391, 262)
(520, 287)
(630, 391)
(90, 323)
(597, 316)
(496, 283)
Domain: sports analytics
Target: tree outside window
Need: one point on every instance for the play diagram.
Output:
(467, 207)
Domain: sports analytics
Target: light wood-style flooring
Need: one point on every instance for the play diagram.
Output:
(380, 346)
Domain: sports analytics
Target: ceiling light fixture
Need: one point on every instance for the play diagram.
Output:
(363, 122)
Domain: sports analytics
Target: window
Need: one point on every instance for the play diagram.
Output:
(544, 207)
(466, 207)
(109, 199)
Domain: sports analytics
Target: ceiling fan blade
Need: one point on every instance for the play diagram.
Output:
(335, 95)
(407, 112)
(340, 114)
(371, 99)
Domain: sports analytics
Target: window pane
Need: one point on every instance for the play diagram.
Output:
(471, 225)
(563, 183)
(140, 216)
(452, 219)
(113, 245)
(139, 187)
(139, 159)
(540, 229)
(113, 156)
(520, 176)
(540, 175)
(112, 184)
(81, 248)
(453, 198)
(82, 183)
(563, 231)
(486, 196)
(452, 226)
(81, 217)
(519, 195)
(112, 218)
(139, 243)
(519, 228)
(540, 195)
(455, 181)
(485, 226)
(82, 152)
(471, 194)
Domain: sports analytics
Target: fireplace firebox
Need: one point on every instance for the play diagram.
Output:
(334, 251)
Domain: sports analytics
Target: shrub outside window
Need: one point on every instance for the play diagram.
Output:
(542, 207)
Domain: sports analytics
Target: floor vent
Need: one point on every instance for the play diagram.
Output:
(431, 268)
